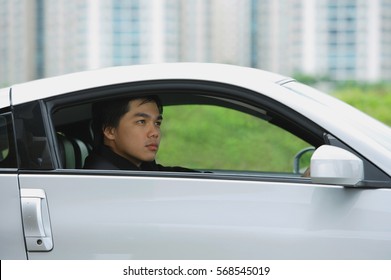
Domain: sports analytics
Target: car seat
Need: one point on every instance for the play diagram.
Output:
(73, 152)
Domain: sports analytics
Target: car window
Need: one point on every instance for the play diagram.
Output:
(7, 149)
(4, 144)
(203, 131)
(218, 138)
(31, 137)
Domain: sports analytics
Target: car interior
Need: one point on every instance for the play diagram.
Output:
(74, 135)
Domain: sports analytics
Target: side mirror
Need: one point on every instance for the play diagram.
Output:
(298, 160)
(333, 165)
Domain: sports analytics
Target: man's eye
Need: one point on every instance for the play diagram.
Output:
(140, 121)
(159, 123)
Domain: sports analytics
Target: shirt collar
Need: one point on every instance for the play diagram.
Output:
(117, 160)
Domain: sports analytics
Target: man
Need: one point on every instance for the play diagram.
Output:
(127, 135)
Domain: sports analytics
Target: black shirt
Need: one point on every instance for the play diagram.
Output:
(104, 158)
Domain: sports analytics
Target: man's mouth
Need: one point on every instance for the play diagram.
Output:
(152, 147)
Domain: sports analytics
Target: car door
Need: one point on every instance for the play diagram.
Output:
(138, 217)
(212, 214)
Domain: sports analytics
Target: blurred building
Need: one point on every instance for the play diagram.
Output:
(21, 41)
(341, 40)
(93, 34)
(215, 31)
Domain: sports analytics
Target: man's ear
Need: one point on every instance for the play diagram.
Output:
(109, 133)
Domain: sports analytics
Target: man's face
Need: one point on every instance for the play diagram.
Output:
(137, 136)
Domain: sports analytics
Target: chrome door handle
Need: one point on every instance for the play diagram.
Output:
(36, 222)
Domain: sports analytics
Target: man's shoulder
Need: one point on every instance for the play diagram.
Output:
(96, 161)
(158, 167)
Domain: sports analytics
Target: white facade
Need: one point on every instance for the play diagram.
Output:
(66, 37)
(18, 43)
(343, 40)
(195, 33)
(215, 31)
(101, 33)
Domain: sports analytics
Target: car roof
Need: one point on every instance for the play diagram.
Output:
(49, 87)
(4, 97)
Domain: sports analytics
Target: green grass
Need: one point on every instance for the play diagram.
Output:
(374, 100)
(216, 138)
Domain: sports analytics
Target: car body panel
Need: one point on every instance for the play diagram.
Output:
(54, 86)
(129, 217)
(11, 231)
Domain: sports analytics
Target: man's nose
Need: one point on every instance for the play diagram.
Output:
(154, 131)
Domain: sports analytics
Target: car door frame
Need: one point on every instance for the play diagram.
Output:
(12, 242)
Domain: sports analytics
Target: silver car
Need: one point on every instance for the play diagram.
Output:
(233, 208)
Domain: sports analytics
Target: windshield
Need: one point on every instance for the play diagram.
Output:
(380, 132)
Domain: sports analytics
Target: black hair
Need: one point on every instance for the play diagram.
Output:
(108, 113)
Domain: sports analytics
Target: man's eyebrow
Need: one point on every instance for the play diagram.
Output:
(145, 115)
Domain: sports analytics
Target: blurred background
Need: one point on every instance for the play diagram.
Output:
(343, 46)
